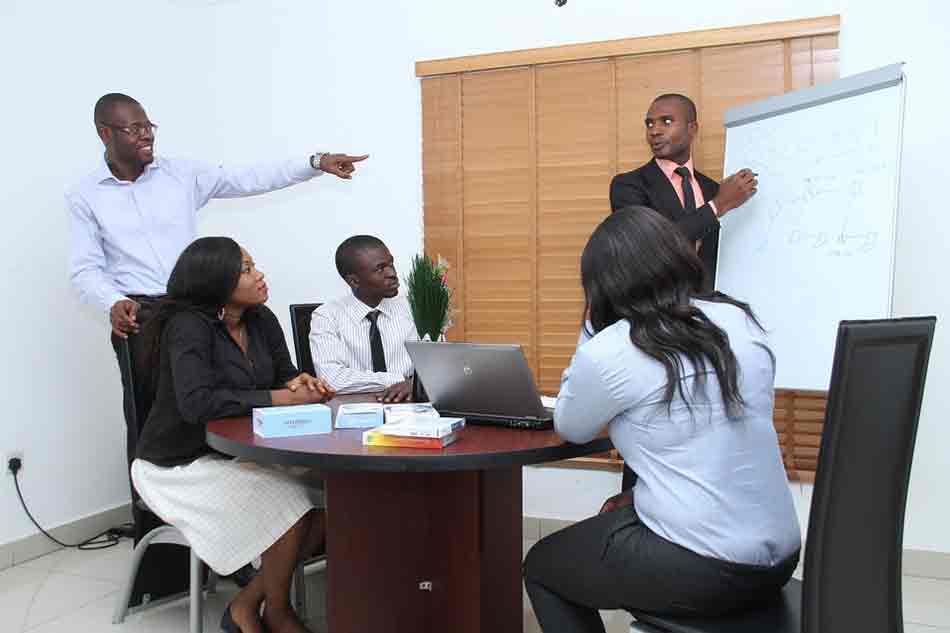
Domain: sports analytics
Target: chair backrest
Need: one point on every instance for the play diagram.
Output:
(300, 327)
(852, 576)
(162, 570)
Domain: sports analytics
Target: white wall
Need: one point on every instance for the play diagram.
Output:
(230, 81)
(917, 34)
(242, 80)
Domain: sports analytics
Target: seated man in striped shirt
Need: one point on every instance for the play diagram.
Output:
(358, 340)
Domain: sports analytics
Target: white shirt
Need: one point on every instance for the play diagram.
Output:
(708, 483)
(127, 236)
(339, 343)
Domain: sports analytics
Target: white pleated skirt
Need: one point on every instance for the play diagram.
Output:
(230, 510)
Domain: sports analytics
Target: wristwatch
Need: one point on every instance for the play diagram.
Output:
(315, 160)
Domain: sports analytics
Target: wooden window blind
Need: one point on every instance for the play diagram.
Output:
(518, 152)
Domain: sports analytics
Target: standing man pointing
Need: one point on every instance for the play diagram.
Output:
(134, 214)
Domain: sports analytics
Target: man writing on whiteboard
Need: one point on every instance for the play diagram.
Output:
(671, 127)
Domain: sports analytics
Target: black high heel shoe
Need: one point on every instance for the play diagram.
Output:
(243, 577)
(227, 623)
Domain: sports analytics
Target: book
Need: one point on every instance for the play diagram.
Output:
(291, 421)
(409, 411)
(373, 437)
(424, 427)
(359, 415)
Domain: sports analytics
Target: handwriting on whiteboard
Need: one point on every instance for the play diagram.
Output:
(817, 206)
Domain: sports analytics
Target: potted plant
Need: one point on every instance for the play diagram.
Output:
(428, 292)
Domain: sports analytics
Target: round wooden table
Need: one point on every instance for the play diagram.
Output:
(417, 539)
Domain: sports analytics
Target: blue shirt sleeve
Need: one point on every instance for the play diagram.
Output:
(590, 395)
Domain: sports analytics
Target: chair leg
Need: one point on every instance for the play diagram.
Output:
(300, 592)
(212, 584)
(196, 599)
(122, 606)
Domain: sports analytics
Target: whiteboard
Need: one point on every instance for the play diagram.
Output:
(815, 245)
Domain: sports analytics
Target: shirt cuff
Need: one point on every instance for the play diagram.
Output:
(284, 382)
(257, 398)
(712, 205)
(315, 171)
(390, 378)
(113, 299)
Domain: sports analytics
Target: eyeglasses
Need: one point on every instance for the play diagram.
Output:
(136, 129)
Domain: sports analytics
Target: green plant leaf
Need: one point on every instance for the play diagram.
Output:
(429, 297)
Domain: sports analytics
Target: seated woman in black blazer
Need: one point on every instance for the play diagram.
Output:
(218, 352)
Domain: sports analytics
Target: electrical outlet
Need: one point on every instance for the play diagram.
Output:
(6, 462)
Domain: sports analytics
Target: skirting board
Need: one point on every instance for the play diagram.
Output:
(922, 563)
(926, 564)
(36, 545)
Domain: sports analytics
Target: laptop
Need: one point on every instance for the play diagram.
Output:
(485, 384)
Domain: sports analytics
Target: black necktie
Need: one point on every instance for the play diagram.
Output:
(376, 342)
(689, 202)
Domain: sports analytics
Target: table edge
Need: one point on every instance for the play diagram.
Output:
(436, 462)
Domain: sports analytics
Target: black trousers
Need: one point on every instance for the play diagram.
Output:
(613, 561)
(134, 397)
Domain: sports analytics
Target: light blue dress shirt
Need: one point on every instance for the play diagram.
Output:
(711, 484)
(127, 236)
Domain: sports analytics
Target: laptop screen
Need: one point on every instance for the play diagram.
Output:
(477, 379)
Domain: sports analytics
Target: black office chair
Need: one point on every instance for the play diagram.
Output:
(300, 314)
(163, 565)
(852, 575)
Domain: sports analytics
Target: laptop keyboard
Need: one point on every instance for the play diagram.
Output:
(533, 425)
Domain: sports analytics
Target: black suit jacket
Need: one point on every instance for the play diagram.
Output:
(648, 186)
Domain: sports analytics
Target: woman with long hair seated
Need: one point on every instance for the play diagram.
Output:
(684, 383)
(215, 350)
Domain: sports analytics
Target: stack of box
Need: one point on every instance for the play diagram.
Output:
(414, 426)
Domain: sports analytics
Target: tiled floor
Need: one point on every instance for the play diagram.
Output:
(76, 591)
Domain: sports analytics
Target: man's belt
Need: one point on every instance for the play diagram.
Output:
(146, 298)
